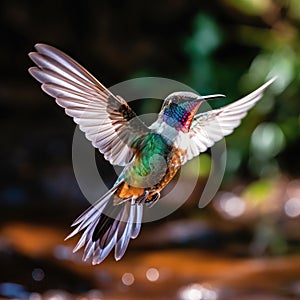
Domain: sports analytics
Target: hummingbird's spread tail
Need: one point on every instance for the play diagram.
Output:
(107, 225)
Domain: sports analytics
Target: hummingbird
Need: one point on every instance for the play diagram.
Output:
(150, 155)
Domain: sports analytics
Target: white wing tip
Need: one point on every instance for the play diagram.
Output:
(274, 78)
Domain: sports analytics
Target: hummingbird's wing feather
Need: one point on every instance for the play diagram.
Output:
(210, 127)
(107, 120)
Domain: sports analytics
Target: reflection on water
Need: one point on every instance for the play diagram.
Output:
(36, 272)
(197, 292)
(245, 245)
(13, 290)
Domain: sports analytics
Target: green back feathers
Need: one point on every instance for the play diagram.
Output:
(152, 152)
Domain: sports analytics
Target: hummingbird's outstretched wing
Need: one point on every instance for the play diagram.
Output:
(107, 120)
(210, 127)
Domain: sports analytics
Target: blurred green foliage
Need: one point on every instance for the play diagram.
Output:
(266, 38)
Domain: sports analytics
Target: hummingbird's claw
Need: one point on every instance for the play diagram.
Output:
(153, 200)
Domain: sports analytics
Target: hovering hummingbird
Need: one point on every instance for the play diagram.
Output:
(151, 156)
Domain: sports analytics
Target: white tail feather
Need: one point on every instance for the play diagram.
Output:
(122, 227)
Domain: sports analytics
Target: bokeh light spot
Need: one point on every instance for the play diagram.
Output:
(128, 279)
(152, 274)
(231, 205)
(38, 274)
(267, 140)
(35, 296)
(197, 292)
(292, 207)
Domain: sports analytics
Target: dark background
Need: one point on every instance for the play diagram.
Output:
(217, 46)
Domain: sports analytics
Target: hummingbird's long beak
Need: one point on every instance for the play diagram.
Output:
(210, 97)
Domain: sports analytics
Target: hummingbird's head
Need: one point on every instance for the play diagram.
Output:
(179, 109)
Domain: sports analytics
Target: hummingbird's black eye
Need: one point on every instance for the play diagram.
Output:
(175, 100)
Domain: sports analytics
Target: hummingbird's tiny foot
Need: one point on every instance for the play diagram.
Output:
(153, 200)
(142, 199)
(118, 201)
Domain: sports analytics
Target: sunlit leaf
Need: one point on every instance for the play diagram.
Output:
(251, 7)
